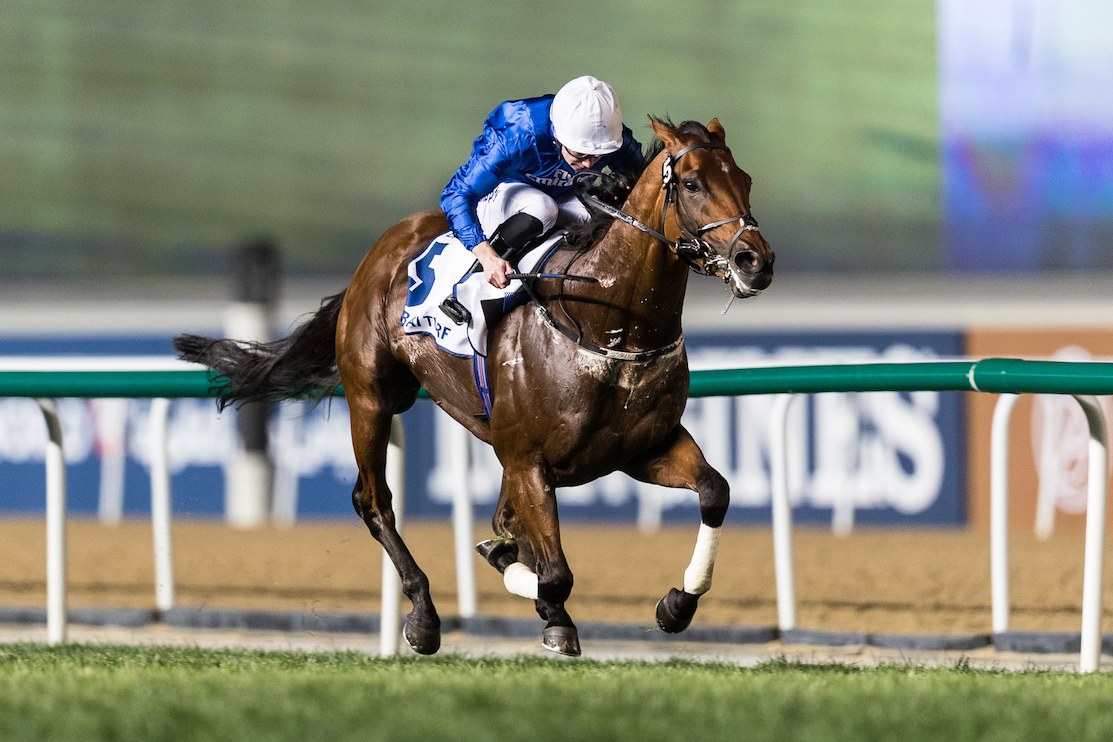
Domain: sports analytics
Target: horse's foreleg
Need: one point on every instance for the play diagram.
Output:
(678, 462)
(372, 501)
(528, 514)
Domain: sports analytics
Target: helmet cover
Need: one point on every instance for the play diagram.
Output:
(586, 117)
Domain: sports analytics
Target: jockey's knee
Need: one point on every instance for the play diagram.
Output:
(509, 199)
(543, 208)
(570, 211)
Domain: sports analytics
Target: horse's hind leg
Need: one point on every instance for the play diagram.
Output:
(678, 462)
(372, 501)
(501, 551)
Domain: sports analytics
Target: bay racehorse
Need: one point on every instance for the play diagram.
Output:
(588, 379)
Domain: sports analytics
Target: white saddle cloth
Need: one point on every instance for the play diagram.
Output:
(437, 273)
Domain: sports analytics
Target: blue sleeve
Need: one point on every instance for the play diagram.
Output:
(484, 170)
(629, 155)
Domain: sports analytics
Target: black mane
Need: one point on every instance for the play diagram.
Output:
(613, 188)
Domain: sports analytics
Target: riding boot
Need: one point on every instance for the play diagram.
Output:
(515, 235)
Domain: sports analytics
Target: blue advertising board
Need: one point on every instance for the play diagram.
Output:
(894, 458)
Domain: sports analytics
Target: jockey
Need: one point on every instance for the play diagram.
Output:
(524, 160)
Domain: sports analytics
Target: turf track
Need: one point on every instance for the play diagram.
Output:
(154, 693)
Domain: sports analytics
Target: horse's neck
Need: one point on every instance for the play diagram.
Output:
(642, 285)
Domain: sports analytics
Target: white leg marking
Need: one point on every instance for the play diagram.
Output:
(520, 580)
(697, 578)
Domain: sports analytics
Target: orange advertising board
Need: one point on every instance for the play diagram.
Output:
(1048, 433)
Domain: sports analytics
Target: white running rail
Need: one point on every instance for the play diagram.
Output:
(988, 373)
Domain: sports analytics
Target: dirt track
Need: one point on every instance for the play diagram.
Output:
(924, 582)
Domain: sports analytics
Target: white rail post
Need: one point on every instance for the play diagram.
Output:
(285, 448)
(55, 525)
(161, 504)
(391, 602)
(999, 510)
(782, 512)
(1055, 413)
(463, 519)
(111, 425)
(1090, 655)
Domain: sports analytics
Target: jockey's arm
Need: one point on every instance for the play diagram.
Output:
(484, 170)
(628, 158)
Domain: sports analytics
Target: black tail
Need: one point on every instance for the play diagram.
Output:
(301, 365)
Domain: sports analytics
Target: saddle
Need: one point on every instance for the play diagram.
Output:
(449, 298)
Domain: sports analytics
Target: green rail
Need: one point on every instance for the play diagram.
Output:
(996, 375)
(107, 384)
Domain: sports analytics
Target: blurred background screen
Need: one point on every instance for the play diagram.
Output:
(151, 138)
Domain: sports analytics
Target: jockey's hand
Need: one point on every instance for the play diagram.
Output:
(494, 267)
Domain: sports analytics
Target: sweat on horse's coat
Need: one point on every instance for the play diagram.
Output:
(562, 413)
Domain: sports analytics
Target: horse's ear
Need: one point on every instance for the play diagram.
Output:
(718, 134)
(664, 132)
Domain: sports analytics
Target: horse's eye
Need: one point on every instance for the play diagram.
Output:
(691, 186)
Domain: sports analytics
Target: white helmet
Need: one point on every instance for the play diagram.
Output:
(586, 117)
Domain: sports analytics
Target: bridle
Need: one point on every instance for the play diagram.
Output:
(689, 246)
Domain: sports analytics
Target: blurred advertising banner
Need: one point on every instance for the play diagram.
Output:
(1026, 127)
(895, 459)
(1048, 452)
(881, 458)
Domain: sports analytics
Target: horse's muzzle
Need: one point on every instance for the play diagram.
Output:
(749, 262)
(751, 271)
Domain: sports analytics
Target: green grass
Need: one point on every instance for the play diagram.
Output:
(122, 693)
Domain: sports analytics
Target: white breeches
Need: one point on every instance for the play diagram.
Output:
(509, 199)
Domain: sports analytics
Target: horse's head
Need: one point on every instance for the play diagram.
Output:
(706, 207)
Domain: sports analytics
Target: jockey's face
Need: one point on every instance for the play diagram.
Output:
(578, 161)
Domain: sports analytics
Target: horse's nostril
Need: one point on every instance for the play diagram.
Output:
(748, 261)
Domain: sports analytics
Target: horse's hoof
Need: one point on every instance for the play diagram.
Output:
(421, 639)
(562, 640)
(499, 552)
(675, 611)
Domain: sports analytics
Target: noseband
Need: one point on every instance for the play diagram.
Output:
(689, 246)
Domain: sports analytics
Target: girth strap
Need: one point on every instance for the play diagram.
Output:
(578, 338)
